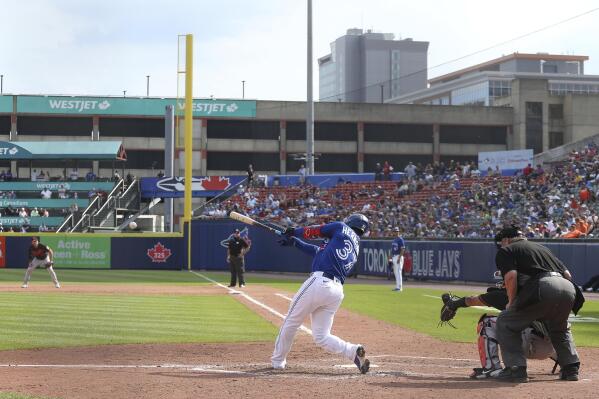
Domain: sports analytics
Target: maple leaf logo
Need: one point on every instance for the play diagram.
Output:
(159, 253)
(215, 183)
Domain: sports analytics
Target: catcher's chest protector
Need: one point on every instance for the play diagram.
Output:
(488, 348)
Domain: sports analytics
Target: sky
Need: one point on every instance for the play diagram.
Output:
(104, 48)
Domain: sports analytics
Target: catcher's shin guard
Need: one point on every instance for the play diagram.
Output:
(488, 348)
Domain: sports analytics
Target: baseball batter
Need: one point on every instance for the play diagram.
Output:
(40, 255)
(398, 248)
(320, 296)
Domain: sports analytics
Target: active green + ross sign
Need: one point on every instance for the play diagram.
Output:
(80, 252)
(131, 106)
(5, 104)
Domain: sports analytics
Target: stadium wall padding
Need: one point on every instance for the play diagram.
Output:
(117, 252)
(432, 260)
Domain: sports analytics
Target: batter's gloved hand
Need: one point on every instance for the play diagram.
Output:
(449, 309)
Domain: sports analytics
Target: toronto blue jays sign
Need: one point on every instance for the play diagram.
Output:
(174, 187)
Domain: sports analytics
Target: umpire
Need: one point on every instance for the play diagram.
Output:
(236, 249)
(539, 287)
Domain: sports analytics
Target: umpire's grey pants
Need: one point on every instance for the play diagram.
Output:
(557, 296)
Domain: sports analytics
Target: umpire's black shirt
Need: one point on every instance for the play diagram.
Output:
(528, 258)
(236, 244)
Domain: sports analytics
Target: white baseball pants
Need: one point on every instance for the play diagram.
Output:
(320, 298)
(397, 269)
(34, 264)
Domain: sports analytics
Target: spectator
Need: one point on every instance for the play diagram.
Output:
(34, 175)
(160, 175)
(250, 175)
(302, 175)
(23, 213)
(129, 179)
(62, 192)
(378, 172)
(527, 171)
(90, 176)
(387, 170)
(74, 174)
(46, 193)
(8, 176)
(116, 177)
(410, 170)
(34, 212)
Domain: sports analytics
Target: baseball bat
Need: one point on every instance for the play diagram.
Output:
(248, 220)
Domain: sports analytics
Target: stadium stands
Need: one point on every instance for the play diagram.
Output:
(445, 202)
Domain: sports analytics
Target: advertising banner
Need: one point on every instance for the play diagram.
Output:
(2, 252)
(505, 160)
(131, 252)
(174, 187)
(5, 104)
(80, 252)
(54, 185)
(43, 203)
(132, 106)
(35, 221)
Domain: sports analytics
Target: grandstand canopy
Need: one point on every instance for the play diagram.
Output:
(36, 150)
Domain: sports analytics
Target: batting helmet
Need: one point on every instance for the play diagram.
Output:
(358, 222)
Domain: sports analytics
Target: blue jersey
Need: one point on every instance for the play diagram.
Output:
(338, 255)
(397, 245)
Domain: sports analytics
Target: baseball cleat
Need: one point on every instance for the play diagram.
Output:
(360, 360)
(569, 372)
(24, 286)
(482, 373)
(514, 374)
(57, 285)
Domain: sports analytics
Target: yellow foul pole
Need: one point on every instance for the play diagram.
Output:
(188, 138)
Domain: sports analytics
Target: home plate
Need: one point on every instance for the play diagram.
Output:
(350, 366)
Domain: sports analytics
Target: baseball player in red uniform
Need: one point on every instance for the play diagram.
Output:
(40, 255)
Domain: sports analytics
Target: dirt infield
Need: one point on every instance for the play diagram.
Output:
(405, 364)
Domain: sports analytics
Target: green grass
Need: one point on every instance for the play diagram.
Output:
(105, 276)
(29, 319)
(36, 320)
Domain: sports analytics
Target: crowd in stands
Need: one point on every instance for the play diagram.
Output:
(444, 200)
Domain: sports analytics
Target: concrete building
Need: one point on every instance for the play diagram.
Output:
(371, 67)
(271, 135)
(553, 101)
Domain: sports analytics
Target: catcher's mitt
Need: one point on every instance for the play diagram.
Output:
(449, 309)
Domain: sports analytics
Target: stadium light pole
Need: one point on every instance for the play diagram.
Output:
(1, 84)
(310, 100)
(124, 93)
(243, 89)
(147, 85)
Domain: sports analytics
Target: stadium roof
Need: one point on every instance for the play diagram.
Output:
(94, 150)
(492, 64)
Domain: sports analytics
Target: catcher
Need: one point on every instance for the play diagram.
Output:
(535, 339)
(40, 255)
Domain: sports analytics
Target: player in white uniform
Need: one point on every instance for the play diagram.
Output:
(320, 296)
(398, 248)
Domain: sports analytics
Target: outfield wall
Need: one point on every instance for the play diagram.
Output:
(431, 260)
(100, 251)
